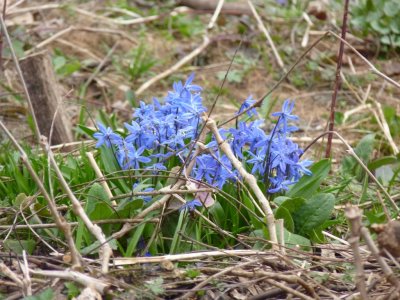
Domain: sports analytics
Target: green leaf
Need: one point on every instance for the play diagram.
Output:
(313, 213)
(391, 8)
(21, 197)
(384, 174)
(47, 294)
(365, 147)
(94, 247)
(73, 290)
(98, 205)
(382, 161)
(134, 240)
(363, 150)
(279, 200)
(219, 214)
(293, 204)
(17, 246)
(307, 185)
(294, 240)
(283, 213)
(59, 62)
(86, 130)
(155, 286)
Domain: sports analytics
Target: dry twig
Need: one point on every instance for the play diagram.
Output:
(98, 285)
(106, 250)
(206, 42)
(337, 80)
(247, 177)
(262, 27)
(354, 215)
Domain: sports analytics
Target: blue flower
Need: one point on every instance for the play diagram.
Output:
(135, 131)
(258, 162)
(145, 198)
(191, 205)
(135, 157)
(106, 136)
(246, 104)
(206, 167)
(156, 168)
(285, 116)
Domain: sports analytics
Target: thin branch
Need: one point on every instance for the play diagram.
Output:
(164, 192)
(80, 278)
(337, 80)
(248, 178)
(122, 261)
(371, 66)
(99, 175)
(106, 252)
(355, 156)
(354, 215)
(216, 14)
(206, 42)
(1, 37)
(262, 27)
(276, 85)
(52, 225)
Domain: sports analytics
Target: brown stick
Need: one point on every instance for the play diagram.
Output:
(1, 36)
(42, 86)
(95, 230)
(354, 215)
(337, 80)
(375, 252)
(210, 5)
(248, 178)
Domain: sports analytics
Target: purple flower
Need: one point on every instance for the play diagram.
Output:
(246, 104)
(106, 136)
(191, 205)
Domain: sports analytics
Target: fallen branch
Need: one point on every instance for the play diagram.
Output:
(264, 29)
(122, 261)
(106, 250)
(210, 5)
(52, 225)
(248, 178)
(80, 278)
(354, 215)
(206, 42)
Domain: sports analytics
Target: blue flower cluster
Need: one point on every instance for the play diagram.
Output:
(160, 131)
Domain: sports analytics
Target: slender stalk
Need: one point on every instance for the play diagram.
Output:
(1, 36)
(249, 178)
(106, 250)
(338, 80)
(354, 215)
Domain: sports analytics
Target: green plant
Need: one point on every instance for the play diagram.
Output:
(64, 65)
(378, 17)
(139, 62)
